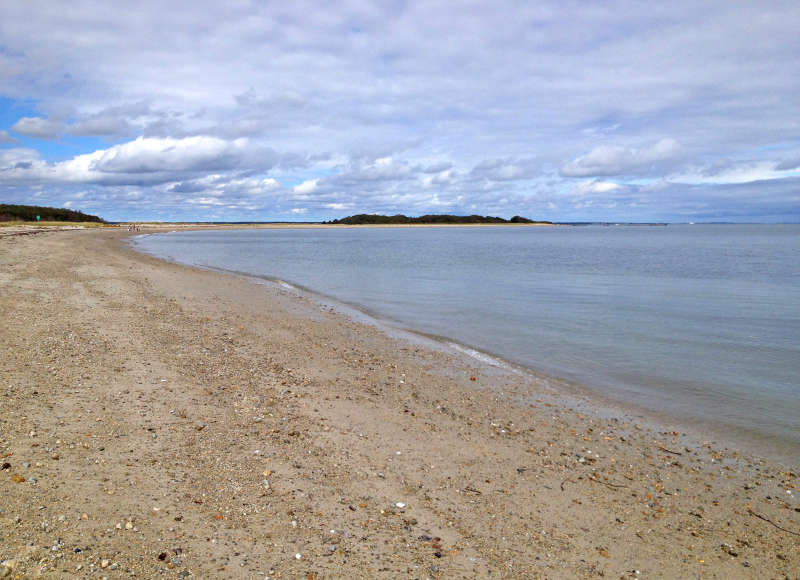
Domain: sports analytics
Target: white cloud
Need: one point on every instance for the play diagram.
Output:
(734, 173)
(306, 187)
(595, 186)
(38, 128)
(117, 121)
(299, 210)
(144, 161)
(205, 201)
(438, 167)
(269, 184)
(149, 155)
(505, 169)
(788, 164)
(250, 186)
(6, 138)
(10, 159)
(443, 179)
(364, 169)
(102, 127)
(606, 160)
(225, 184)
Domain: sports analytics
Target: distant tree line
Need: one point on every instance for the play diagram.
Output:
(372, 219)
(28, 213)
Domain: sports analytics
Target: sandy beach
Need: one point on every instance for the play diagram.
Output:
(164, 421)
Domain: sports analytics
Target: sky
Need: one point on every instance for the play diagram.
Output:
(305, 111)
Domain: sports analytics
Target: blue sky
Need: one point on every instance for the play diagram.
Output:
(617, 111)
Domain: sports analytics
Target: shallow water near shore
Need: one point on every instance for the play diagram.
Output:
(701, 323)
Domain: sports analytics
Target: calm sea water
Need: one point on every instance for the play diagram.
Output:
(697, 322)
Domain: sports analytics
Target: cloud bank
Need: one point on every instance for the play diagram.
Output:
(554, 110)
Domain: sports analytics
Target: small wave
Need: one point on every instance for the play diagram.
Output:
(478, 355)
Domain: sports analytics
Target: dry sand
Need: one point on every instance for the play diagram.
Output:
(163, 421)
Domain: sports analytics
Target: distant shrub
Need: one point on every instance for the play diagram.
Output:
(376, 219)
(28, 213)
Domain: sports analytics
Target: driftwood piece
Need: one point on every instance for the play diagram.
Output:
(769, 521)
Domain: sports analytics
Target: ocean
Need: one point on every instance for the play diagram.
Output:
(700, 323)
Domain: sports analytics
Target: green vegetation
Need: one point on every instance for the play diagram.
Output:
(374, 219)
(28, 213)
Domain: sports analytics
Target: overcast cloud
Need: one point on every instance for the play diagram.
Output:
(679, 111)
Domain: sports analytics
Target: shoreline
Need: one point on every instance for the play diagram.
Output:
(300, 225)
(573, 391)
(230, 426)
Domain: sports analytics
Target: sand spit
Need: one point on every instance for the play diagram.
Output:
(163, 421)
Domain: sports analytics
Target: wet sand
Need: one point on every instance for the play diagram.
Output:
(164, 421)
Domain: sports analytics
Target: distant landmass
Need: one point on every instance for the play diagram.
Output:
(29, 213)
(368, 219)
